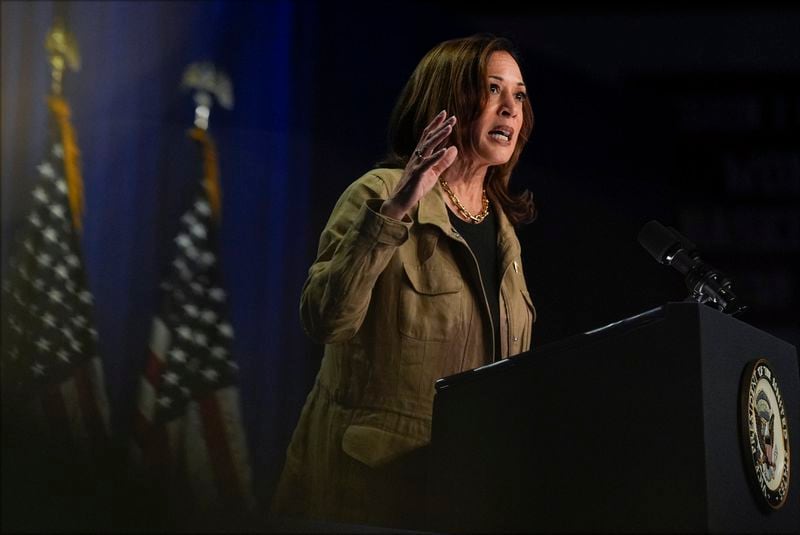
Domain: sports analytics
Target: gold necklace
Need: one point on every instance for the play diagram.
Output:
(461, 208)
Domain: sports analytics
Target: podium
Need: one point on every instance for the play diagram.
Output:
(635, 427)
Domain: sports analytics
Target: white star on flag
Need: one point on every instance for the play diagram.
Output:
(50, 234)
(40, 195)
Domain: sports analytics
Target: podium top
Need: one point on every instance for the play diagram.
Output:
(671, 309)
(559, 346)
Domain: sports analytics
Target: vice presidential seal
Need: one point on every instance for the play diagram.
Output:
(765, 433)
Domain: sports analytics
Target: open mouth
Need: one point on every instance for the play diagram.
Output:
(502, 134)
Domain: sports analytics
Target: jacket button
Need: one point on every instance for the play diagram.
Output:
(516, 338)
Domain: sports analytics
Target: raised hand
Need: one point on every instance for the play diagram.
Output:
(430, 159)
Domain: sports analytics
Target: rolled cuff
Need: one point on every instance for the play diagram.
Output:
(371, 224)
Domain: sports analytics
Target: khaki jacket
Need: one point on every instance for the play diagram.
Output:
(398, 305)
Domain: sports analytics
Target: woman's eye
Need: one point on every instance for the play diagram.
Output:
(494, 88)
(521, 96)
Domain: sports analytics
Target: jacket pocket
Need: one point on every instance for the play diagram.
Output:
(431, 303)
(375, 447)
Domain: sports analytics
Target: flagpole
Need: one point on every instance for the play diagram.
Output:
(207, 82)
(63, 53)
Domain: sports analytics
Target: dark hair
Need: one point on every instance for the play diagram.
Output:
(452, 77)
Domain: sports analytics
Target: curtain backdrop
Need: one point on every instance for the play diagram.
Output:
(131, 118)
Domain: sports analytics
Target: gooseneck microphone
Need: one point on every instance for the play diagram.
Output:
(705, 283)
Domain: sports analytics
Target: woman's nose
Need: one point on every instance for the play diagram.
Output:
(507, 108)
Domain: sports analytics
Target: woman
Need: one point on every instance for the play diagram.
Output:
(418, 276)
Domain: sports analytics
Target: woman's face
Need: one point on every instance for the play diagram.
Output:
(496, 130)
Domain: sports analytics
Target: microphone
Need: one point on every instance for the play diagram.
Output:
(671, 248)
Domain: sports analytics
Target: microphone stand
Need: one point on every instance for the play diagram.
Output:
(706, 285)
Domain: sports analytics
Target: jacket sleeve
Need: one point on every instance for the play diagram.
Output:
(354, 249)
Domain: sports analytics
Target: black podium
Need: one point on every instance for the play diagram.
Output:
(631, 428)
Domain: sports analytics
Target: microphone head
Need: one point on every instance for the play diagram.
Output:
(659, 240)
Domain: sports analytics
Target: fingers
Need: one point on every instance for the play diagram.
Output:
(435, 133)
(439, 160)
(440, 134)
(434, 123)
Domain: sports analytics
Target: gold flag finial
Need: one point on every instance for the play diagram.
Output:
(63, 53)
(206, 80)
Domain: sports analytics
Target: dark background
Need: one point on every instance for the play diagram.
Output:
(688, 114)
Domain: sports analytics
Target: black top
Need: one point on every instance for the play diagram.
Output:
(482, 241)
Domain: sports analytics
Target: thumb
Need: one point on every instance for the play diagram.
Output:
(446, 160)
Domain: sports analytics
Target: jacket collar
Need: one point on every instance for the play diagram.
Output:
(433, 211)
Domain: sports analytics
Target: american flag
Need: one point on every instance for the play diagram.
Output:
(189, 438)
(53, 382)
